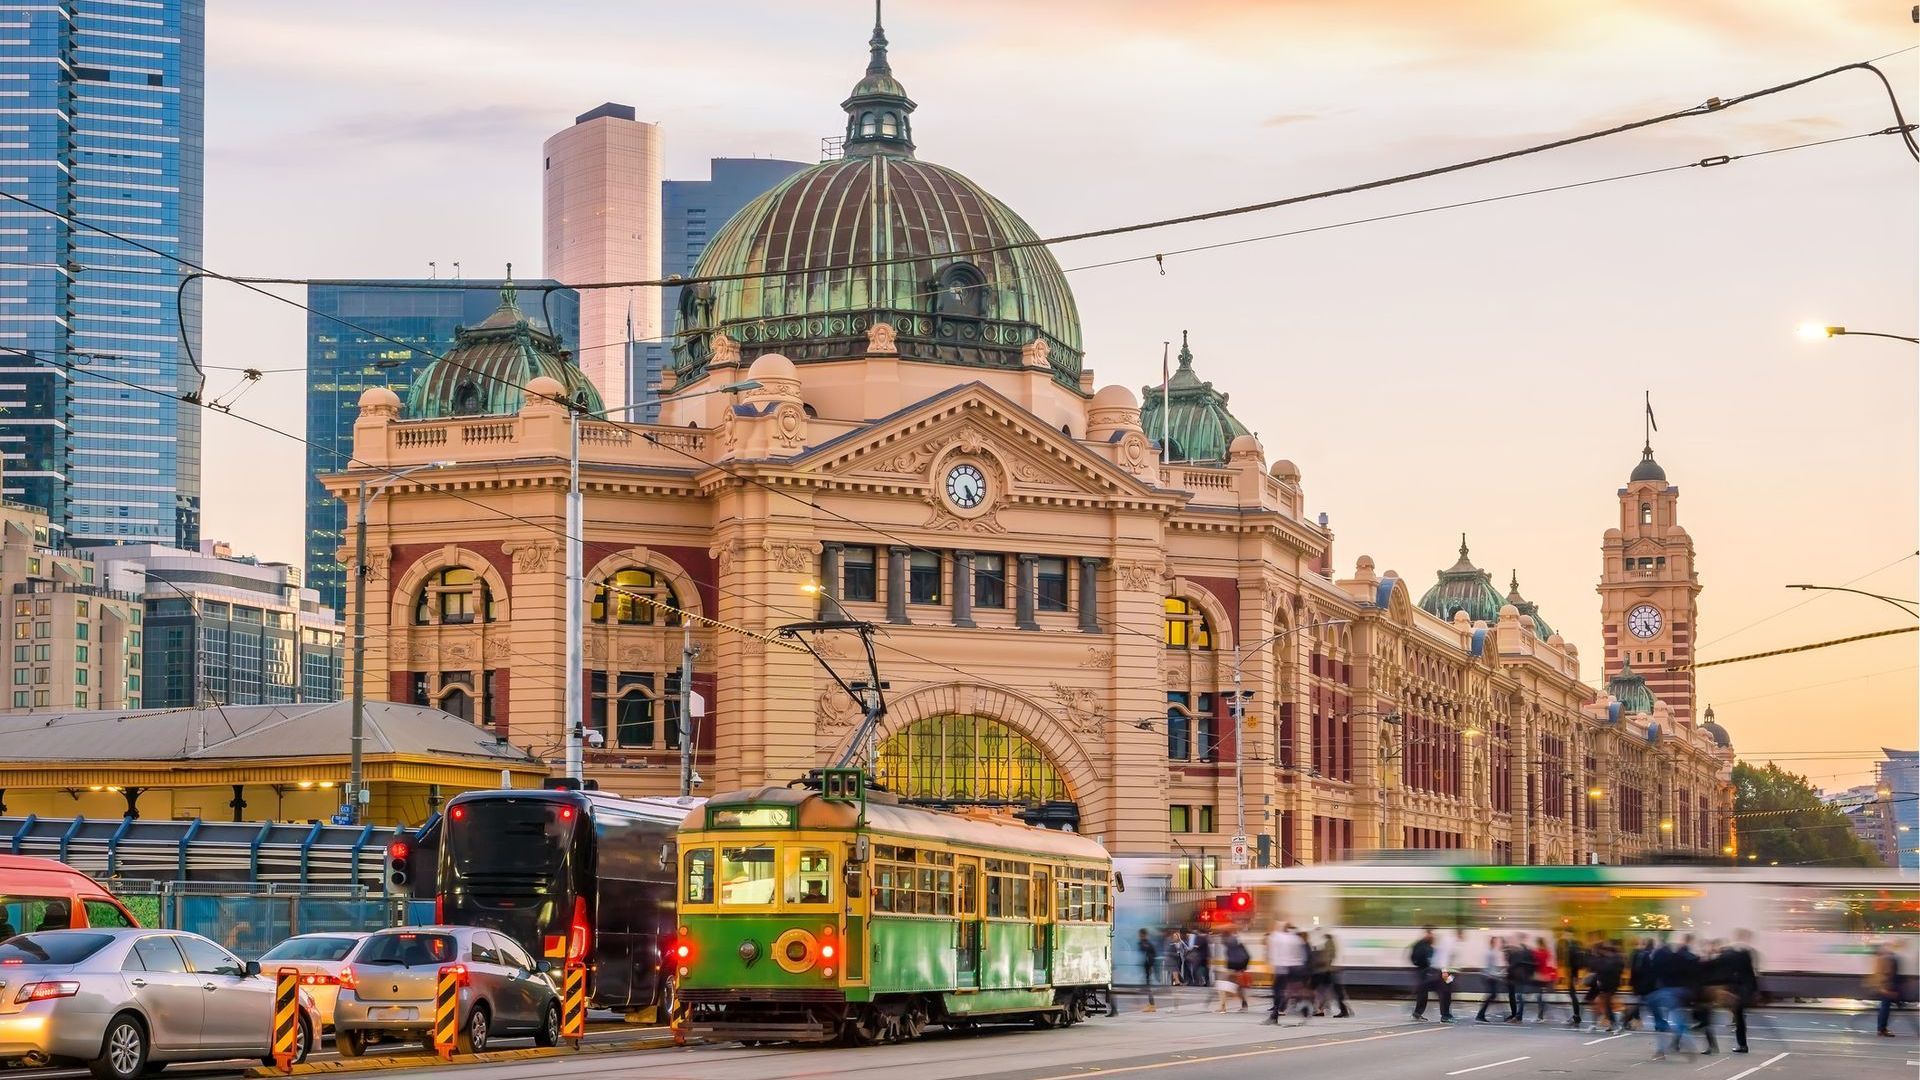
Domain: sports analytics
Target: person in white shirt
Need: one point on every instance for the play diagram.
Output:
(1287, 955)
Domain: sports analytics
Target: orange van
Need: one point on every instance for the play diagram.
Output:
(43, 894)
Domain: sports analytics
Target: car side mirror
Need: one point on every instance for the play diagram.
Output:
(543, 966)
(252, 969)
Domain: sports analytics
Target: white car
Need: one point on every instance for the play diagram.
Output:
(317, 957)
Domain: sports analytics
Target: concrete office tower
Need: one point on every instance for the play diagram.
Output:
(602, 184)
(105, 124)
(693, 212)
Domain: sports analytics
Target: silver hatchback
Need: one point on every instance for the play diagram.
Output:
(387, 989)
(124, 1001)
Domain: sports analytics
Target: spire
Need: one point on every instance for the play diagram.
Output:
(878, 107)
(1465, 565)
(1186, 354)
(509, 295)
(1513, 587)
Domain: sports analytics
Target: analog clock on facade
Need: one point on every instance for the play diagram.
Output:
(966, 486)
(1644, 621)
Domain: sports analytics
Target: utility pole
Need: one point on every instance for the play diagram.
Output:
(571, 719)
(687, 730)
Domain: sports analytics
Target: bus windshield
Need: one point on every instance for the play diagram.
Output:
(510, 836)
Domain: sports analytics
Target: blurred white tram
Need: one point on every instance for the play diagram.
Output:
(1814, 931)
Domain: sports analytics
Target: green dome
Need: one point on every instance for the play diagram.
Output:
(948, 301)
(1198, 426)
(484, 371)
(1630, 691)
(1464, 587)
(1527, 607)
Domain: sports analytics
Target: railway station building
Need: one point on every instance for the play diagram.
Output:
(1071, 580)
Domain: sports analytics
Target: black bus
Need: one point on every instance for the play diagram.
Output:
(573, 876)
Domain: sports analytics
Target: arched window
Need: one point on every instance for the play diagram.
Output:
(960, 289)
(457, 702)
(452, 596)
(1186, 626)
(466, 398)
(963, 758)
(635, 597)
(867, 126)
(1646, 513)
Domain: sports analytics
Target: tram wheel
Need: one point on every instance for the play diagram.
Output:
(863, 1028)
(914, 1023)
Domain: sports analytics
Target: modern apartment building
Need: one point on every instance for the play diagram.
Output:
(75, 644)
(601, 179)
(103, 114)
(345, 360)
(228, 631)
(692, 212)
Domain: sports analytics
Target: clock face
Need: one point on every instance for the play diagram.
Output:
(1644, 621)
(966, 486)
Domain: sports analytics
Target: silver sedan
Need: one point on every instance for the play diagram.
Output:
(122, 1001)
(387, 989)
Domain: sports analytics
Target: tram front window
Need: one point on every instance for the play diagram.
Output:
(746, 875)
(809, 876)
(700, 876)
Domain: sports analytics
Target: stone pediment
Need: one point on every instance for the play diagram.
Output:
(1019, 454)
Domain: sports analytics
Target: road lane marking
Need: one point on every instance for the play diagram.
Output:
(1606, 1038)
(1757, 1068)
(1241, 1054)
(1488, 1065)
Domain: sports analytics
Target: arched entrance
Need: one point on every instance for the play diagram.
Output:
(965, 759)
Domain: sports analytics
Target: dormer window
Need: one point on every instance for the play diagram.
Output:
(466, 399)
(960, 289)
(889, 125)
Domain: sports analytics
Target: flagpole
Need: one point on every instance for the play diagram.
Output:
(1166, 406)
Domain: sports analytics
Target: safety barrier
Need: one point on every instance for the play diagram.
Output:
(286, 1018)
(573, 1008)
(446, 1010)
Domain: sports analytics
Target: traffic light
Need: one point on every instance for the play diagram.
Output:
(399, 869)
(1240, 903)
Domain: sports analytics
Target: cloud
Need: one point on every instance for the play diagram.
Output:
(1283, 119)
(487, 123)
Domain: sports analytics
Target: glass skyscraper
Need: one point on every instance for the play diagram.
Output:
(342, 362)
(691, 213)
(101, 118)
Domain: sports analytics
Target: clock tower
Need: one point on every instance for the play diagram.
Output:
(1649, 592)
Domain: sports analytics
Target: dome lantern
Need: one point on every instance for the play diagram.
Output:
(486, 369)
(1527, 607)
(878, 108)
(1630, 690)
(1190, 415)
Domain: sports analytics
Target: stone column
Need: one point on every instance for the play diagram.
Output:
(1089, 594)
(963, 588)
(829, 607)
(897, 584)
(1024, 588)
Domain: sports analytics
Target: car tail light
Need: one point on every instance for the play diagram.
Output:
(319, 980)
(41, 991)
(459, 813)
(439, 911)
(579, 934)
(347, 979)
(459, 973)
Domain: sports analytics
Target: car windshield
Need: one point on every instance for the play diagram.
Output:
(51, 948)
(311, 948)
(407, 949)
(509, 835)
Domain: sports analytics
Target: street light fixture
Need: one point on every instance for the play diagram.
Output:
(357, 740)
(573, 718)
(1815, 331)
(1909, 608)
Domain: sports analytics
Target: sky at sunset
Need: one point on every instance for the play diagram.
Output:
(1477, 370)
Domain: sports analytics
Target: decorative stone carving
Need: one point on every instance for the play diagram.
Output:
(723, 349)
(531, 557)
(831, 646)
(1086, 713)
(461, 651)
(1098, 657)
(833, 710)
(399, 651)
(880, 337)
(790, 426)
(1140, 576)
(497, 648)
(1034, 353)
(723, 555)
(1135, 451)
(594, 648)
(1028, 473)
(649, 649)
(943, 520)
(908, 462)
(792, 556)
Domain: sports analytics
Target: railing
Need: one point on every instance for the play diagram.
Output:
(29, 587)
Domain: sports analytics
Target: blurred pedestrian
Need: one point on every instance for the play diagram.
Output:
(1325, 983)
(1519, 979)
(1233, 981)
(1883, 986)
(1149, 963)
(1701, 991)
(1740, 973)
(1669, 1000)
(1428, 969)
(1640, 981)
(1200, 957)
(1608, 965)
(1493, 977)
(1286, 956)
(1573, 960)
(1544, 974)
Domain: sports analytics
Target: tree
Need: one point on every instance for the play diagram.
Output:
(1780, 818)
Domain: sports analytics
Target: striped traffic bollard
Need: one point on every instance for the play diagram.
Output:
(446, 1010)
(573, 1003)
(286, 1018)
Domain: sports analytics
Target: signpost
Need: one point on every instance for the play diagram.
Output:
(1240, 853)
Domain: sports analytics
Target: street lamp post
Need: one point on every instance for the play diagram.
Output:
(1910, 608)
(1815, 331)
(1240, 653)
(357, 739)
(573, 717)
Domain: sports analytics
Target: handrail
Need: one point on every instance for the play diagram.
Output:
(20, 835)
(306, 851)
(353, 863)
(193, 829)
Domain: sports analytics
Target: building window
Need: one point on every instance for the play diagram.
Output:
(923, 577)
(1051, 584)
(1186, 626)
(452, 596)
(628, 714)
(22, 699)
(1200, 873)
(857, 578)
(1203, 818)
(635, 597)
(990, 581)
(1179, 727)
(1646, 513)
(1179, 819)
(79, 699)
(42, 698)
(963, 758)
(1209, 731)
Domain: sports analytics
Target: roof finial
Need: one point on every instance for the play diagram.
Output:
(1463, 545)
(509, 295)
(877, 64)
(1186, 354)
(1513, 585)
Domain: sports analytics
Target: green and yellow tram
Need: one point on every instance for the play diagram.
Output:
(809, 917)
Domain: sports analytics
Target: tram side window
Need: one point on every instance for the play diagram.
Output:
(965, 890)
(809, 876)
(746, 875)
(700, 876)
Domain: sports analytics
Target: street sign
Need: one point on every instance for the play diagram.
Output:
(1240, 852)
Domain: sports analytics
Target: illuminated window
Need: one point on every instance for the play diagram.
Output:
(1186, 626)
(963, 758)
(635, 597)
(452, 596)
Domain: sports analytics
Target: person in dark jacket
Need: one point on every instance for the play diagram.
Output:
(1149, 960)
(1740, 974)
(1639, 980)
(1430, 979)
(1573, 960)
(1702, 988)
(1883, 983)
(1671, 974)
(1608, 966)
(1519, 977)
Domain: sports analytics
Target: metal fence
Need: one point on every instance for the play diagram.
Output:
(250, 920)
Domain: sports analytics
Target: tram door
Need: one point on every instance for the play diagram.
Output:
(967, 927)
(1042, 927)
